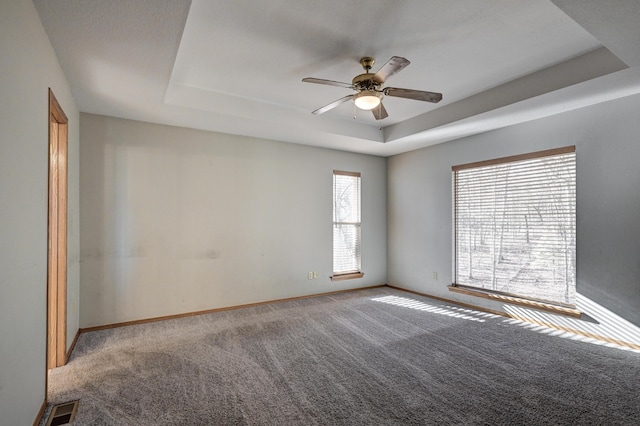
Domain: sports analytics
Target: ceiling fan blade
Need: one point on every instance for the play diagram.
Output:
(327, 82)
(332, 105)
(418, 95)
(393, 65)
(380, 112)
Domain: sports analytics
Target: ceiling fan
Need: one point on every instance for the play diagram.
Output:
(370, 90)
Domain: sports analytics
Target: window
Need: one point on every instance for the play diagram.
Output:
(515, 226)
(346, 225)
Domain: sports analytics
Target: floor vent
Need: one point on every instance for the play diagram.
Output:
(63, 414)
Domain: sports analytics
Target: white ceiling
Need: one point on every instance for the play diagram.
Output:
(236, 66)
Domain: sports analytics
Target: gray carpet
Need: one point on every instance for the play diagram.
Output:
(356, 358)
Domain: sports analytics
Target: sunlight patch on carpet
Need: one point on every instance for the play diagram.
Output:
(605, 328)
(451, 311)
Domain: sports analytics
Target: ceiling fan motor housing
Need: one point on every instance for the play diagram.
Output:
(365, 82)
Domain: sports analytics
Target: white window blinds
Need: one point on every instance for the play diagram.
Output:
(346, 222)
(515, 225)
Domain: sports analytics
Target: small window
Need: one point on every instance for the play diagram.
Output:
(346, 225)
(515, 226)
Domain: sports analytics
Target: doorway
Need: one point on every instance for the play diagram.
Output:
(57, 237)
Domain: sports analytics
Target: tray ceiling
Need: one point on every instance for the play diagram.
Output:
(236, 67)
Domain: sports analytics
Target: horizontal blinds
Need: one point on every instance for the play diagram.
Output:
(346, 222)
(515, 225)
(346, 248)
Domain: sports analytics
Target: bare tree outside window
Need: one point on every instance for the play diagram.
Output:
(515, 225)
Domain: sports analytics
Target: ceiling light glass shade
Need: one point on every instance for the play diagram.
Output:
(367, 99)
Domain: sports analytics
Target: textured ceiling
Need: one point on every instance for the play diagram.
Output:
(237, 66)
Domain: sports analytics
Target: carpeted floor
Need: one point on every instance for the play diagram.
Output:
(370, 357)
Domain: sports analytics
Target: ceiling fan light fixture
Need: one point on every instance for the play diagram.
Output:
(367, 99)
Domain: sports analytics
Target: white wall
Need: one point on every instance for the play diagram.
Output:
(28, 68)
(175, 220)
(608, 203)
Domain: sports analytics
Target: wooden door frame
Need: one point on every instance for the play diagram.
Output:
(57, 236)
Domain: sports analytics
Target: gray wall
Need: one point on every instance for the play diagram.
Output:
(608, 202)
(28, 68)
(176, 220)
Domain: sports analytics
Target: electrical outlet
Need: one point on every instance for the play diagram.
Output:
(315, 275)
(435, 276)
(310, 275)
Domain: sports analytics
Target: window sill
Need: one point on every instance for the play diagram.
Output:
(350, 276)
(542, 306)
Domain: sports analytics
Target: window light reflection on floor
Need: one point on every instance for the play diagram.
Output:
(602, 327)
(605, 328)
(462, 313)
(552, 331)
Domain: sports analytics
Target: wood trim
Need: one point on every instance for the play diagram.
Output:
(514, 295)
(541, 306)
(57, 235)
(520, 157)
(61, 355)
(350, 276)
(442, 299)
(214, 310)
(343, 173)
(43, 408)
(56, 110)
(52, 308)
(73, 345)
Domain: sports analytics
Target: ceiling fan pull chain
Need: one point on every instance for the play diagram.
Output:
(355, 111)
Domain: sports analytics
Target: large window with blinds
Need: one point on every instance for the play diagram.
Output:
(346, 225)
(515, 226)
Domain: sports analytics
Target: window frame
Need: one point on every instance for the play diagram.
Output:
(352, 274)
(518, 299)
